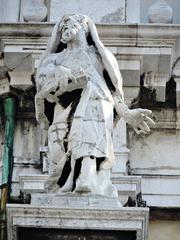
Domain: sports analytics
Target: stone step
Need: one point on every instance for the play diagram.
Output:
(127, 186)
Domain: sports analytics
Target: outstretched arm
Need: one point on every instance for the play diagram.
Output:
(138, 118)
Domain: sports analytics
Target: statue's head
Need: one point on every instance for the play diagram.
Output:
(67, 29)
(71, 25)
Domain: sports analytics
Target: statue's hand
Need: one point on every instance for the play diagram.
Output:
(139, 119)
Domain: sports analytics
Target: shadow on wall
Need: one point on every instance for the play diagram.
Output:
(147, 97)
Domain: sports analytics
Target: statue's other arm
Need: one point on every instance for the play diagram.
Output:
(139, 118)
(50, 79)
(45, 71)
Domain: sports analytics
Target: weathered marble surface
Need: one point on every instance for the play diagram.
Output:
(74, 201)
(84, 83)
(73, 217)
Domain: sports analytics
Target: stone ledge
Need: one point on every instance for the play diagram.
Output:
(161, 191)
(161, 31)
(126, 219)
(159, 200)
(74, 200)
(32, 183)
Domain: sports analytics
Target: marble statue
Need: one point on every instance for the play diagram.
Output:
(81, 77)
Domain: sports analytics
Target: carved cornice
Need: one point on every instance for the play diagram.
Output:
(126, 219)
(161, 34)
(134, 45)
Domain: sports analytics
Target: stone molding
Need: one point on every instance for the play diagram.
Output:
(133, 219)
(157, 32)
(161, 191)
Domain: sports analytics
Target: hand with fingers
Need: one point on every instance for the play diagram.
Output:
(139, 119)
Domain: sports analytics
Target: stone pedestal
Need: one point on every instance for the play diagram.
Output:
(75, 217)
(72, 200)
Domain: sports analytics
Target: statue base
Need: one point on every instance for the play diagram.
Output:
(73, 217)
(74, 200)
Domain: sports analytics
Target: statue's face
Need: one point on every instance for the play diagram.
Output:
(69, 30)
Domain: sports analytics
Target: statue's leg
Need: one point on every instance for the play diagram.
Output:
(51, 183)
(106, 187)
(85, 181)
(69, 182)
(57, 156)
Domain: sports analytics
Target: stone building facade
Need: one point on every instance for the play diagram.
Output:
(147, 170)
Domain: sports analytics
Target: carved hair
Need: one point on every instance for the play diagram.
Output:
(55, 39)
